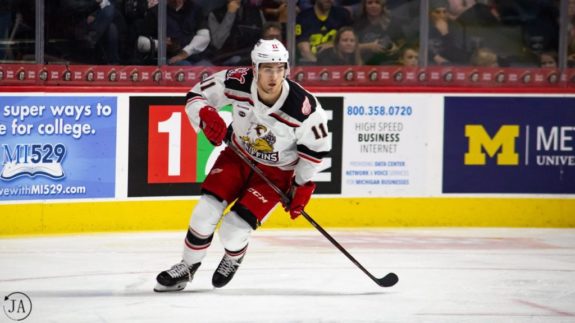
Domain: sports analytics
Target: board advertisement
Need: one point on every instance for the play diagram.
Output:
(57, 147)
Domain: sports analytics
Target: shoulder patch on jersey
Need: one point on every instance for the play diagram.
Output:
(299, 103)
(239, 79)
(306, 107)
(238, 74)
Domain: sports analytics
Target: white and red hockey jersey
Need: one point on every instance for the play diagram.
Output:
(292, 134)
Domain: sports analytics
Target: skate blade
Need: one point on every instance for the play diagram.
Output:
(162, 289)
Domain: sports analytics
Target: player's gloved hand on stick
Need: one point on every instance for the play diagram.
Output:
(213, 125)
(301, 195)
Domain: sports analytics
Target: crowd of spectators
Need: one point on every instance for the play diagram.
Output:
(522, 33)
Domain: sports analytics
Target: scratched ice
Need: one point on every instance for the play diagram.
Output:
(446, 275)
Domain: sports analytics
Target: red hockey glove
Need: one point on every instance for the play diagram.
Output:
(301, 196)
(213, 125)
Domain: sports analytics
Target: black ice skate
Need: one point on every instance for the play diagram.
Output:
(226, 270)
(176, 278)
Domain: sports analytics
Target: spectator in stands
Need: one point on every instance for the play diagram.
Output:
(517, 30)
(409, 56)
(457, 7)
(542, 33)
(136, 14)
(352, 6)
(21, 31)
(97, 28)
(186, 33)
(479, 21)
(135, 10)
(316, 28)
(272, 30)
(210, 5)
(345, 50)
(406, 14)
(548, 60)
(380, 36)
(445, 37)
(306, 4)
(275, 10)
(484, 57)
(6, 20)
(234, 28)
(479, 13)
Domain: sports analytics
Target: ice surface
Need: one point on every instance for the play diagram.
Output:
(445, 275)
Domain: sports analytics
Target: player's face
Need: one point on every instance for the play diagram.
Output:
(270, 77)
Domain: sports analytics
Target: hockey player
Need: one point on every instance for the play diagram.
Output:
(280, 127)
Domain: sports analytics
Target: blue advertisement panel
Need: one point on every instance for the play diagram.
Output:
(509, 145)
(57, 147)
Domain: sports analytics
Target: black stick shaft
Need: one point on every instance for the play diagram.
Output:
(286, 200)
(339, 246)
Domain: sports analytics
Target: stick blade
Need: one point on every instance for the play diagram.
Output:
(388, 281)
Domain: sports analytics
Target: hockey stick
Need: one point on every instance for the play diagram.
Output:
(386, 281)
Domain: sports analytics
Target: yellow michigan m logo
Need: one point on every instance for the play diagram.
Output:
(502, 144)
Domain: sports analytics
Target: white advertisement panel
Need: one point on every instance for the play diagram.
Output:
(390, 145)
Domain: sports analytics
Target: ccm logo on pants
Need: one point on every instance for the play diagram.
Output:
(257, 194)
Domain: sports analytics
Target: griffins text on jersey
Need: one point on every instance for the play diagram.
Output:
(259, 142)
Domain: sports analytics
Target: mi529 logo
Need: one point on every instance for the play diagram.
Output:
(32, 160)
(503, 145)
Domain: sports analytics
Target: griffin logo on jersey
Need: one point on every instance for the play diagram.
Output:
(259, 142)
